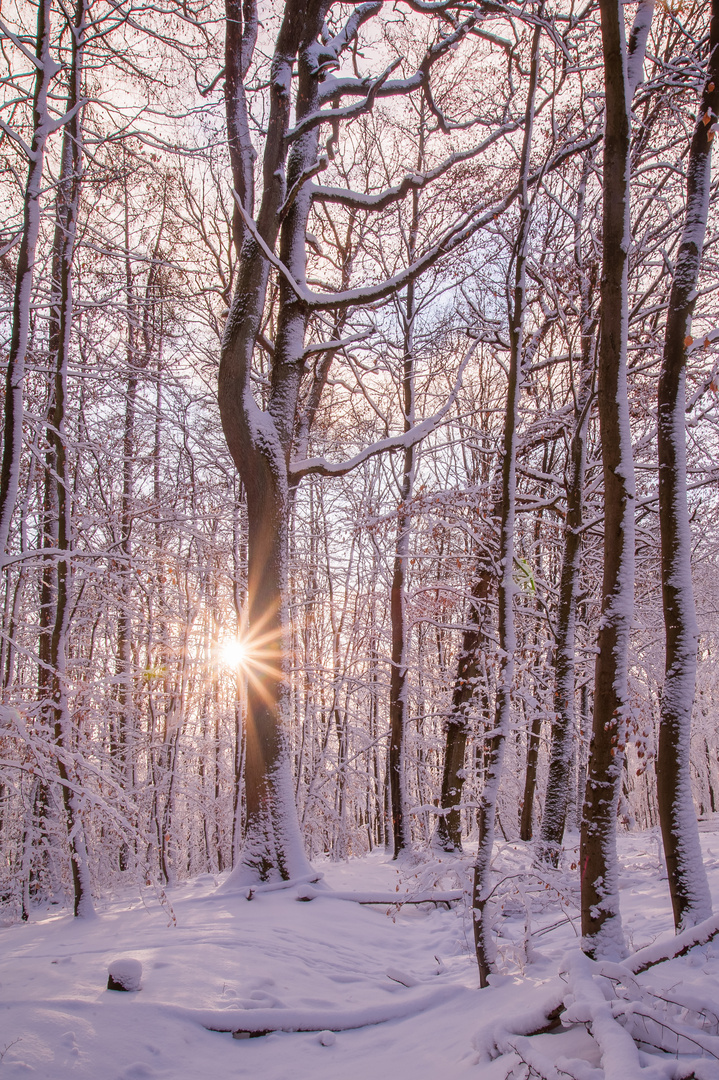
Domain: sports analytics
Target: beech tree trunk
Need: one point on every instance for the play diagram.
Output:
(261, 441)
(691, 901)
(484, 946)
(564, 733)
(470, 670)
(66, 209)
(601, 920)
(401, 826)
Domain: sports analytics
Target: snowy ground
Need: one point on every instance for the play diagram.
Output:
(212, 959)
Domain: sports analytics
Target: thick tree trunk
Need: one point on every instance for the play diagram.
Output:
(691, 901)
(601, 921)
(261, 442)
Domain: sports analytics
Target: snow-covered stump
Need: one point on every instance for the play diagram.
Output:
(124, 974)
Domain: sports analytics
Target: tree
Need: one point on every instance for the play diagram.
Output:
(563, 735)
(691, 901)
(262, 440)
(601, 920)
(481, 889)
(45, 69)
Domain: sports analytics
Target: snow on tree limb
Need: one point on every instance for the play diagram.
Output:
(322, 467)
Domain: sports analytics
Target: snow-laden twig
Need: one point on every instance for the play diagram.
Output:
(499, 1037)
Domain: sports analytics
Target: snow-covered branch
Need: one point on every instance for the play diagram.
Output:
(323, 467)
(358, 200)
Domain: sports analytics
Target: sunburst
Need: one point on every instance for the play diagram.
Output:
(255, 655)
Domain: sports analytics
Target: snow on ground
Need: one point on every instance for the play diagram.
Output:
(211, 958)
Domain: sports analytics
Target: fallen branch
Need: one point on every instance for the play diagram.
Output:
(701, 934)
(708, 1044)
(499, 1038)
(306, 892)
(264, 1021)
(249, 891)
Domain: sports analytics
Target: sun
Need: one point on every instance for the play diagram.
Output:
(233, 652)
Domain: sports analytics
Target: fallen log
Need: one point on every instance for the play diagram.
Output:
(306, 893)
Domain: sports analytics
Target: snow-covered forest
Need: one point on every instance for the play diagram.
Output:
(358, 507)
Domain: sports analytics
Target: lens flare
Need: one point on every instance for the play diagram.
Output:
(233, 652)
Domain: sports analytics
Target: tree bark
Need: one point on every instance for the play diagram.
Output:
(691, 901)
(261, 441)
(601, 921)
(481, 889)
(67, 202)
(470, 671)
(563, 735)
(401, 828)
(46, 69)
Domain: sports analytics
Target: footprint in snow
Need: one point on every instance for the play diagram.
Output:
(139, 1071)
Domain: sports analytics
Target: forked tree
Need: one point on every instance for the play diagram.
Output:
(270, 235)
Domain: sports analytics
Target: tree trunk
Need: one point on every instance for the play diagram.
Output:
(470, 670)
(484, 946)
(691, 901)
(601, 921)
(13, 413)
(564, 726)
(526, 821)
(261, 441)
(68, 196)
(401, 829)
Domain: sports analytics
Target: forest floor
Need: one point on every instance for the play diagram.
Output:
(389, 991)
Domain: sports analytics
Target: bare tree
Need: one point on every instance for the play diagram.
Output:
(45, 68)
(262, 440)
(563, 733)
(481, 888)
(601, 921)
(691, 901)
